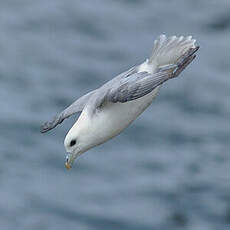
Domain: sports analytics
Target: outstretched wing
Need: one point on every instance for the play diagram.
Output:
(140, 84)
(76, 107)
(125, 87)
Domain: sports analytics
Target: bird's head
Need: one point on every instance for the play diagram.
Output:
(73, 148)
(77, 140)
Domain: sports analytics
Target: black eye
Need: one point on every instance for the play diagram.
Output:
(73, 142)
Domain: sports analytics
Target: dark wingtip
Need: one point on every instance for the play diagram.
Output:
(197, 47)
(51, 124)
(193, 50)
(45, 127)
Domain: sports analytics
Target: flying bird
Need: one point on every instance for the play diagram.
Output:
(109, 109)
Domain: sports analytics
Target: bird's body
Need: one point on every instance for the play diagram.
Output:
(108, 110)
(113, 119)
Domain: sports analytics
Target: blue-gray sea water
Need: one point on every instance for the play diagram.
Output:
(168, 171)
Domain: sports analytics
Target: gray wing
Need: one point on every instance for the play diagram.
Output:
(76, 107)
(125, 87)
(140, 84)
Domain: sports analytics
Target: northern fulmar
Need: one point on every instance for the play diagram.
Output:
(109, 109)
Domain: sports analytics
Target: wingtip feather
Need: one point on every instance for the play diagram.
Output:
(45, 127)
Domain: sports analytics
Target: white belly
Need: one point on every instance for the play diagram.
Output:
(115, 117)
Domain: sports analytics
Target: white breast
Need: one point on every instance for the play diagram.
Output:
(113, 118)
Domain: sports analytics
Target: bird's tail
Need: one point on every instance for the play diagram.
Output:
(167, 51)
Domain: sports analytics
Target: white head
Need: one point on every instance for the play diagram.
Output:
(77, 140)
(72, 146)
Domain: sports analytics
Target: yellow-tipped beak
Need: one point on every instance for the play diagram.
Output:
(67, 165)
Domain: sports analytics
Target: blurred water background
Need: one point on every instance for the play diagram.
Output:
(168, 171)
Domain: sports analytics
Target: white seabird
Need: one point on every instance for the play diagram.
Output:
(108, 110)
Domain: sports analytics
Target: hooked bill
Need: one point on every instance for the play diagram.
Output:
(67, 165)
